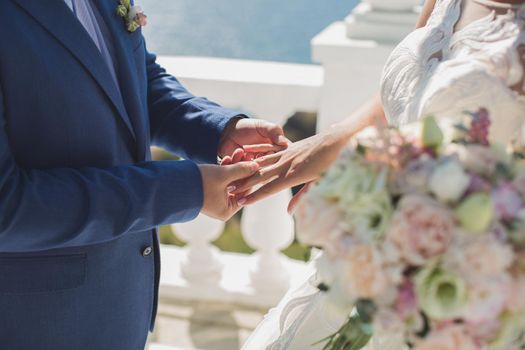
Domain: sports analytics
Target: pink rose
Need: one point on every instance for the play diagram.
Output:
(421, 228)
(142, 19)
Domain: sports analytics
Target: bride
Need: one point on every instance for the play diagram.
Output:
(464, 54)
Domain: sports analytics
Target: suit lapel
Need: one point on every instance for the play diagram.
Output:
(58, 20)
(127, 71)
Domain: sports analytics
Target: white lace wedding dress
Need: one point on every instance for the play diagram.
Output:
(444, 69)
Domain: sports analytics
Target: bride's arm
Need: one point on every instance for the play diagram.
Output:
(306, 160)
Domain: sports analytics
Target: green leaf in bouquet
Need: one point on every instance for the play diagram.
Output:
(366, 309)
(516, 232)
(323, 287)
(503, 171)
(461, 127)
(361, 149)
(518, 155)
(432, 136)
(475, 213)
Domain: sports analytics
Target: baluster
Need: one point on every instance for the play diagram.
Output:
(202, 265)
(267, 227)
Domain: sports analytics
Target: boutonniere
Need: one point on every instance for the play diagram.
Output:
(132, 15)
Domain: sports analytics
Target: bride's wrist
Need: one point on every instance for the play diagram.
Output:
(341, 133)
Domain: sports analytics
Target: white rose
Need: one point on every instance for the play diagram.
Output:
(328, 269)
(449, 181)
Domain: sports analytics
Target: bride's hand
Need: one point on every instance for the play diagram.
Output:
(302, 162)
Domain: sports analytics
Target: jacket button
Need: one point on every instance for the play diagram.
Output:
(147, 251)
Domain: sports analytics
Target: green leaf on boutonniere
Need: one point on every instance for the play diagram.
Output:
(132, 26)
(122, 11)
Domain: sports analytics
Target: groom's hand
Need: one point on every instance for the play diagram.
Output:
(217, 181)
(243, 132)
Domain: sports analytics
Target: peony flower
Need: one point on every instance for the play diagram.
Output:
(475, 213)
(507, 202)
(317, 221)
(441, 294)
(479, 256)
(449, 181)
(363, 275)
(421, 228)
(486, 299)
(453, 337)
(484, 332)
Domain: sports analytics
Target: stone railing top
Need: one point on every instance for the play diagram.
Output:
(393, 5)
(260, 72)
(268, 90)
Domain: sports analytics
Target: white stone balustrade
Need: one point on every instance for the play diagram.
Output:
(202, 266)
(267, 227)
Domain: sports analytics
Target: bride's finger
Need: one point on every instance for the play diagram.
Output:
(263, 148)
(238, 155)
(265, 191)
(268, 160)
(261, 177)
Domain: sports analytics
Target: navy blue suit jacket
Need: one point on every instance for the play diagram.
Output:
(79, 196)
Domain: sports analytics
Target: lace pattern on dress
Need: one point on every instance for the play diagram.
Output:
(495, 42)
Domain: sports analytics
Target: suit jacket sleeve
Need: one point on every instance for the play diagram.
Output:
(180, 122)
(43, 208)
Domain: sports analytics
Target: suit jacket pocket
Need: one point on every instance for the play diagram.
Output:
(41, 274)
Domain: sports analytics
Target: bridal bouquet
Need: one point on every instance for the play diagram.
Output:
(423, 233)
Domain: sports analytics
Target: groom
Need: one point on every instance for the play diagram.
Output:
(81, 101)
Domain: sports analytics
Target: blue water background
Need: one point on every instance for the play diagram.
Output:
(274, 30)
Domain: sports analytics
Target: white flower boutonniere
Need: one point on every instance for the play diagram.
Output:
(133, 16)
